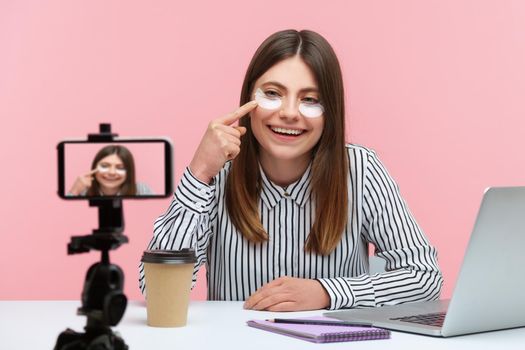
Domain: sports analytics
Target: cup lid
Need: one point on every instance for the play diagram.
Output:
(183, 256)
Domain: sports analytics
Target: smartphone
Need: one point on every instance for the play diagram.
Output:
(134, 168)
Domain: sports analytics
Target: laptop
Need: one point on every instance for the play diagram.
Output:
(490, 290)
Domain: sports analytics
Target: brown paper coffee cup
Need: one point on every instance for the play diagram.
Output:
(168, 277)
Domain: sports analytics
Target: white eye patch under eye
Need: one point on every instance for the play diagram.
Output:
(263, 101)
(308, 110)
(102, 169)
(311, 110)
(105, 169)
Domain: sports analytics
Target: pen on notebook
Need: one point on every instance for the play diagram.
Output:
(320, 322)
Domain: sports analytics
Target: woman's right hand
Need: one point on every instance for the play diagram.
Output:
(82, 183)
(221, 142)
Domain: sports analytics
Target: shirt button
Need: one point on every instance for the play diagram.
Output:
(286, 194)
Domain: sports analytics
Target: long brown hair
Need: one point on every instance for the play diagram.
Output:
(129, 187)
(329, 159)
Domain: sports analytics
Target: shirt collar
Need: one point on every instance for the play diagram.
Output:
(299, 191)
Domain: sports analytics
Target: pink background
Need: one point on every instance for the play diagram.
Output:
(148, 158)
(435, 87)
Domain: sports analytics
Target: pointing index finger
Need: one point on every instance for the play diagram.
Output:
(238, 113)
(92, 171)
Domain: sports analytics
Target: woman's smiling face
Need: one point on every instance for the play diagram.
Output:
(111, 173)
(288, 121)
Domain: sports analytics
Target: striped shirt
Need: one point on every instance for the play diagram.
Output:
(197, 218)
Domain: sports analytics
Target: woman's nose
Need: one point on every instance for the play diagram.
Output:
(289, 109)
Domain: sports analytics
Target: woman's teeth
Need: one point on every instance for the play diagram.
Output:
(111, 179)
(287, 131)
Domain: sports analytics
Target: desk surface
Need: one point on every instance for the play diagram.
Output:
(211, 325)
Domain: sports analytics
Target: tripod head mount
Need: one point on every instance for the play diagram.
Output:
(108, 236)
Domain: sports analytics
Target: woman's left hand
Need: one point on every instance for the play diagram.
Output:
(289, 294)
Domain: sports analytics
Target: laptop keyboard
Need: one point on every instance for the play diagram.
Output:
(434, 319)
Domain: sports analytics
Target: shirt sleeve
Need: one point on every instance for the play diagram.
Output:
(186, 223)
(412, 272)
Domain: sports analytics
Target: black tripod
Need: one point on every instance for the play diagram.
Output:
(103, 300)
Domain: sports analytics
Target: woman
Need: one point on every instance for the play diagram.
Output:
(112, 174)
(281, 211)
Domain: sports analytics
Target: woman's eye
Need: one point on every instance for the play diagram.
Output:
(104, 166)
(272, 94)
(310, 100)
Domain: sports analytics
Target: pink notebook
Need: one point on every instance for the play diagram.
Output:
(321, 333)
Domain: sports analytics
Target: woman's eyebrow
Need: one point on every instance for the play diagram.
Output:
(281, 86)
(112, 164)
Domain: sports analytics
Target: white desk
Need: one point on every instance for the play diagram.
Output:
(211, 325)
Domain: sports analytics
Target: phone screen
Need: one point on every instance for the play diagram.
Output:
(139, 168)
